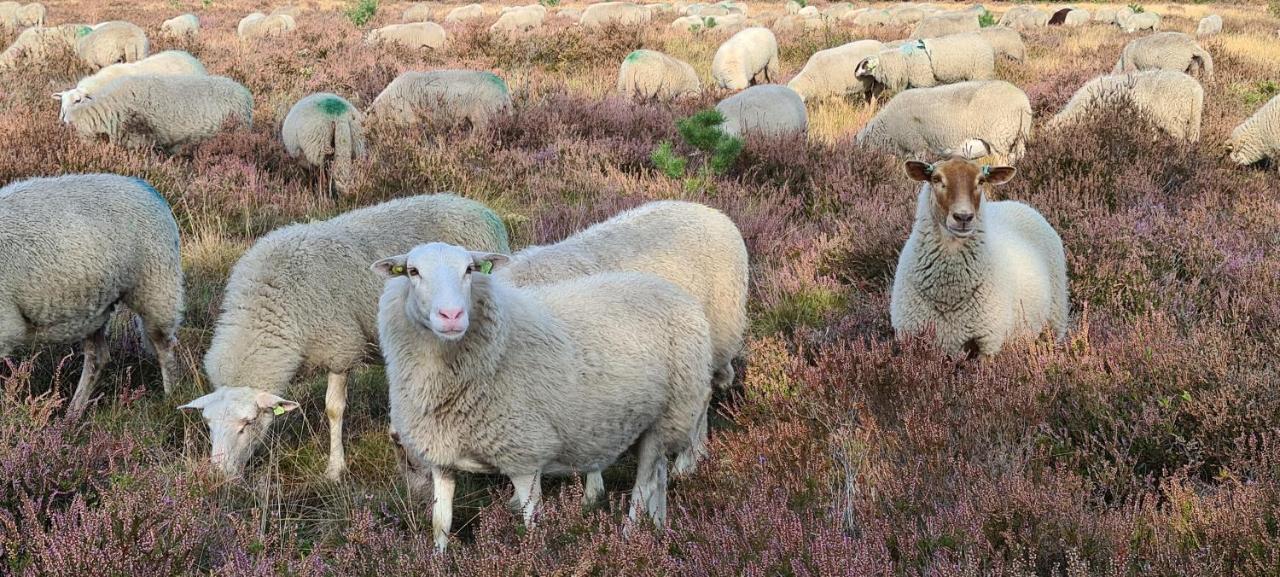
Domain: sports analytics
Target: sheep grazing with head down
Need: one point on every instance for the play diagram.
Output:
(36, 45)
(767, 110)
(179, 26)
(487, 377)
(1006, 42)
(167, 63)
(620, 13)
(1173, 101)
(259, 25)
(412, 35)
(112, 42)
(1258, 137)
(1209, 25)
(1166, 51)
(930, 62)
(746, 58)
(972, 119)
(652, 75)
(946, 24)
(980, 273)
(464, 13)
(830, 73)
(324, 131)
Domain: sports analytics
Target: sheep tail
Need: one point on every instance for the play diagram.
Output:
(343, 155)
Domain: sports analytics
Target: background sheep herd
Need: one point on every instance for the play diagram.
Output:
(1147, 442)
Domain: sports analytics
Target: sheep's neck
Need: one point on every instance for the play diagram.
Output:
(952, 269)
(470, 362)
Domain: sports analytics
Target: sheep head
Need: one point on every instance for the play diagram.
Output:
(440, 277)
(238, 419)
(957, 191)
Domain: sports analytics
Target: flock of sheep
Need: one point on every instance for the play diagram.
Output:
(555, 359)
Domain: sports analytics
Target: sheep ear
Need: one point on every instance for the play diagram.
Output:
(865, 66)
(273, 403)
(919, 171)
(998, 174)
(58, 95)
(487, 262)
(197, 404)
(391, 267)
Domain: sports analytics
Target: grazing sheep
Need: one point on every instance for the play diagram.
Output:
(830, 73)
(1166, 51)
(1077, 17)
(259, 25)
(768, 110)
(32, 14)
(748, 57)
(869, 17)
(834, 11)
(1105, 15)
(929, 62)
(303, 295)
(420, 12)
(945, 119)
(167, 63)
(112, 42)
(443, 97)
(72, 249)
(1006, 42)
(519, 20)
(9, 15)
(287, 10)
(38, 44)
(1024, 17)
(171, 112)
(414, 35)
(1258, 137)
(464, 13)
(485, 377)
(946, 24)
(794, 23)
(570, 14)
(324, 131)
(649, 75)
(793, 7)
(606, 13)
(1209, 25)
(178, 26)
(980, 273)
(905, 15)
(1173, 100)
(1135, 22)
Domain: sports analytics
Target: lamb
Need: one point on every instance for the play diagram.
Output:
(1172, 100)
(443, 97)
(72, 249)
(948, 119)
(32, 14)
(767, 110)
(746, 58)
(324, 131)
(946, 24)
(171, 112)
(1006, 42)
(179, 26)
(649, 75)
(303, 295)
(464, 13)
(1023, 17)
(112, 42)
(1166, 51)
(414, 35)
(419, 12)
(1258, 137)
(38, 44)
(605, 13)
(980, 273)
(1135, 22)
(167, 63)
(1210, 25)
(486, 377)
(259, 25)
(519, 20)
(830, 73)
(930, 62)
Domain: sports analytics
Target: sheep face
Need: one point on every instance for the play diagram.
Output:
(69, 98)
(238, 419)
(957, 191)
(440, 283)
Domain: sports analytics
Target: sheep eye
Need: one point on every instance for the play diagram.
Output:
(413, 271)
(472, 268)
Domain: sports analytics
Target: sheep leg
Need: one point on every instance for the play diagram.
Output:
(529, 491)
(335, 404)
(687, 460)
(594, 489)
(651, 480)
(95, 356)
(442, 510)
(163, 342)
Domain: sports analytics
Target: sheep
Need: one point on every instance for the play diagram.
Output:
(38, 44)
(179, 26)
(303, 295)
(1258, 137)
(1140, 21)
(323, 130)
(570, 14)
(170, 112)
(946, 118)
(929, 62)
(464, 13)
(9, 15)
(259, 25)
(946, 24)
(980, 273)
(1166, 51)
(414, 35)
(769, 110)
(1209, 25)
(420, 12)
(905, 15)
(32, 14)
(794, 23)
(793, 7)
(869, 17)
(745, 59)
(1105, 15)
(834, 11)
(287, 10)
(112, 42)
(648, 75)
(1172, 100)
(486, 377)
(167, 63)
(443, 97)
(72, 249)
(606, 13)
(519, 20)
(1006, 42)
(829, 73)
(1023, 17)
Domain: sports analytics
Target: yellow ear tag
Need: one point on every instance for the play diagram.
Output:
(397, 270)
(278, 410)
(486, 267)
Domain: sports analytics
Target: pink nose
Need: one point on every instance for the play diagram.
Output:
(450, 314)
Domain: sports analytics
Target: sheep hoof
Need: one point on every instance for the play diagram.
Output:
(334, 472)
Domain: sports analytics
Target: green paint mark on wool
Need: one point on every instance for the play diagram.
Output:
(83, 31)
(332, 105)
(497, 81)
(498, 227)
(635, 55)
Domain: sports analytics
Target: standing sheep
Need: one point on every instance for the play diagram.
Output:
(1258, 137)
(443, 97)
(946, 24)
(748, 57)
(417, 12)
(324, 132)
(953, 118)
(980, 273)
(179, 26)
(259, 25)
(414, 35)
(1166, 51)
(73, 248)
(649, 75)
(1130, 22)
(167, 63)
(1172, 100)
(1006, 42)
(32, 14)
(924, 63)
(1024, 17)
(868, 17)
(485, 377)
(605, 13)
(830, 73)
(37, 44)
(519, 20)
(171, 112)
(303, 295)
(1210, 25)
(464, 13)
(112, 42)
(768, 110)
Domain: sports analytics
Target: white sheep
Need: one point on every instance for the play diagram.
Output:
(171, 112)
(1077, 17)
(417, 12)
(1006, 42)
(1024, 17)
(32, 14)
(1258, 137)
(1130, 22)
(980, 273)
(929, 62)
(905, 14)
(830, 73)
(768, 110)
(73, 248)
(443, 97)
(605, 13)
(946, 24)
(485, 377)
(167, 63)
(793, 7)
(324, 132)
(412, 35)
(519, 20)
(303, 296)
(949, 119)
(1166, 51)
(38, 44)
(179, 26)
(869, 17)
(1209, 25)
(748, 57)
(1172, 100)
(1106, 15)
(112, 42)
(464, 13)
(649, 74)
(9, 15)
(259, 25)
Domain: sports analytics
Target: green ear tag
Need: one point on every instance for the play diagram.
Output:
(486, 267)
(278, 410)
(397, 270)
